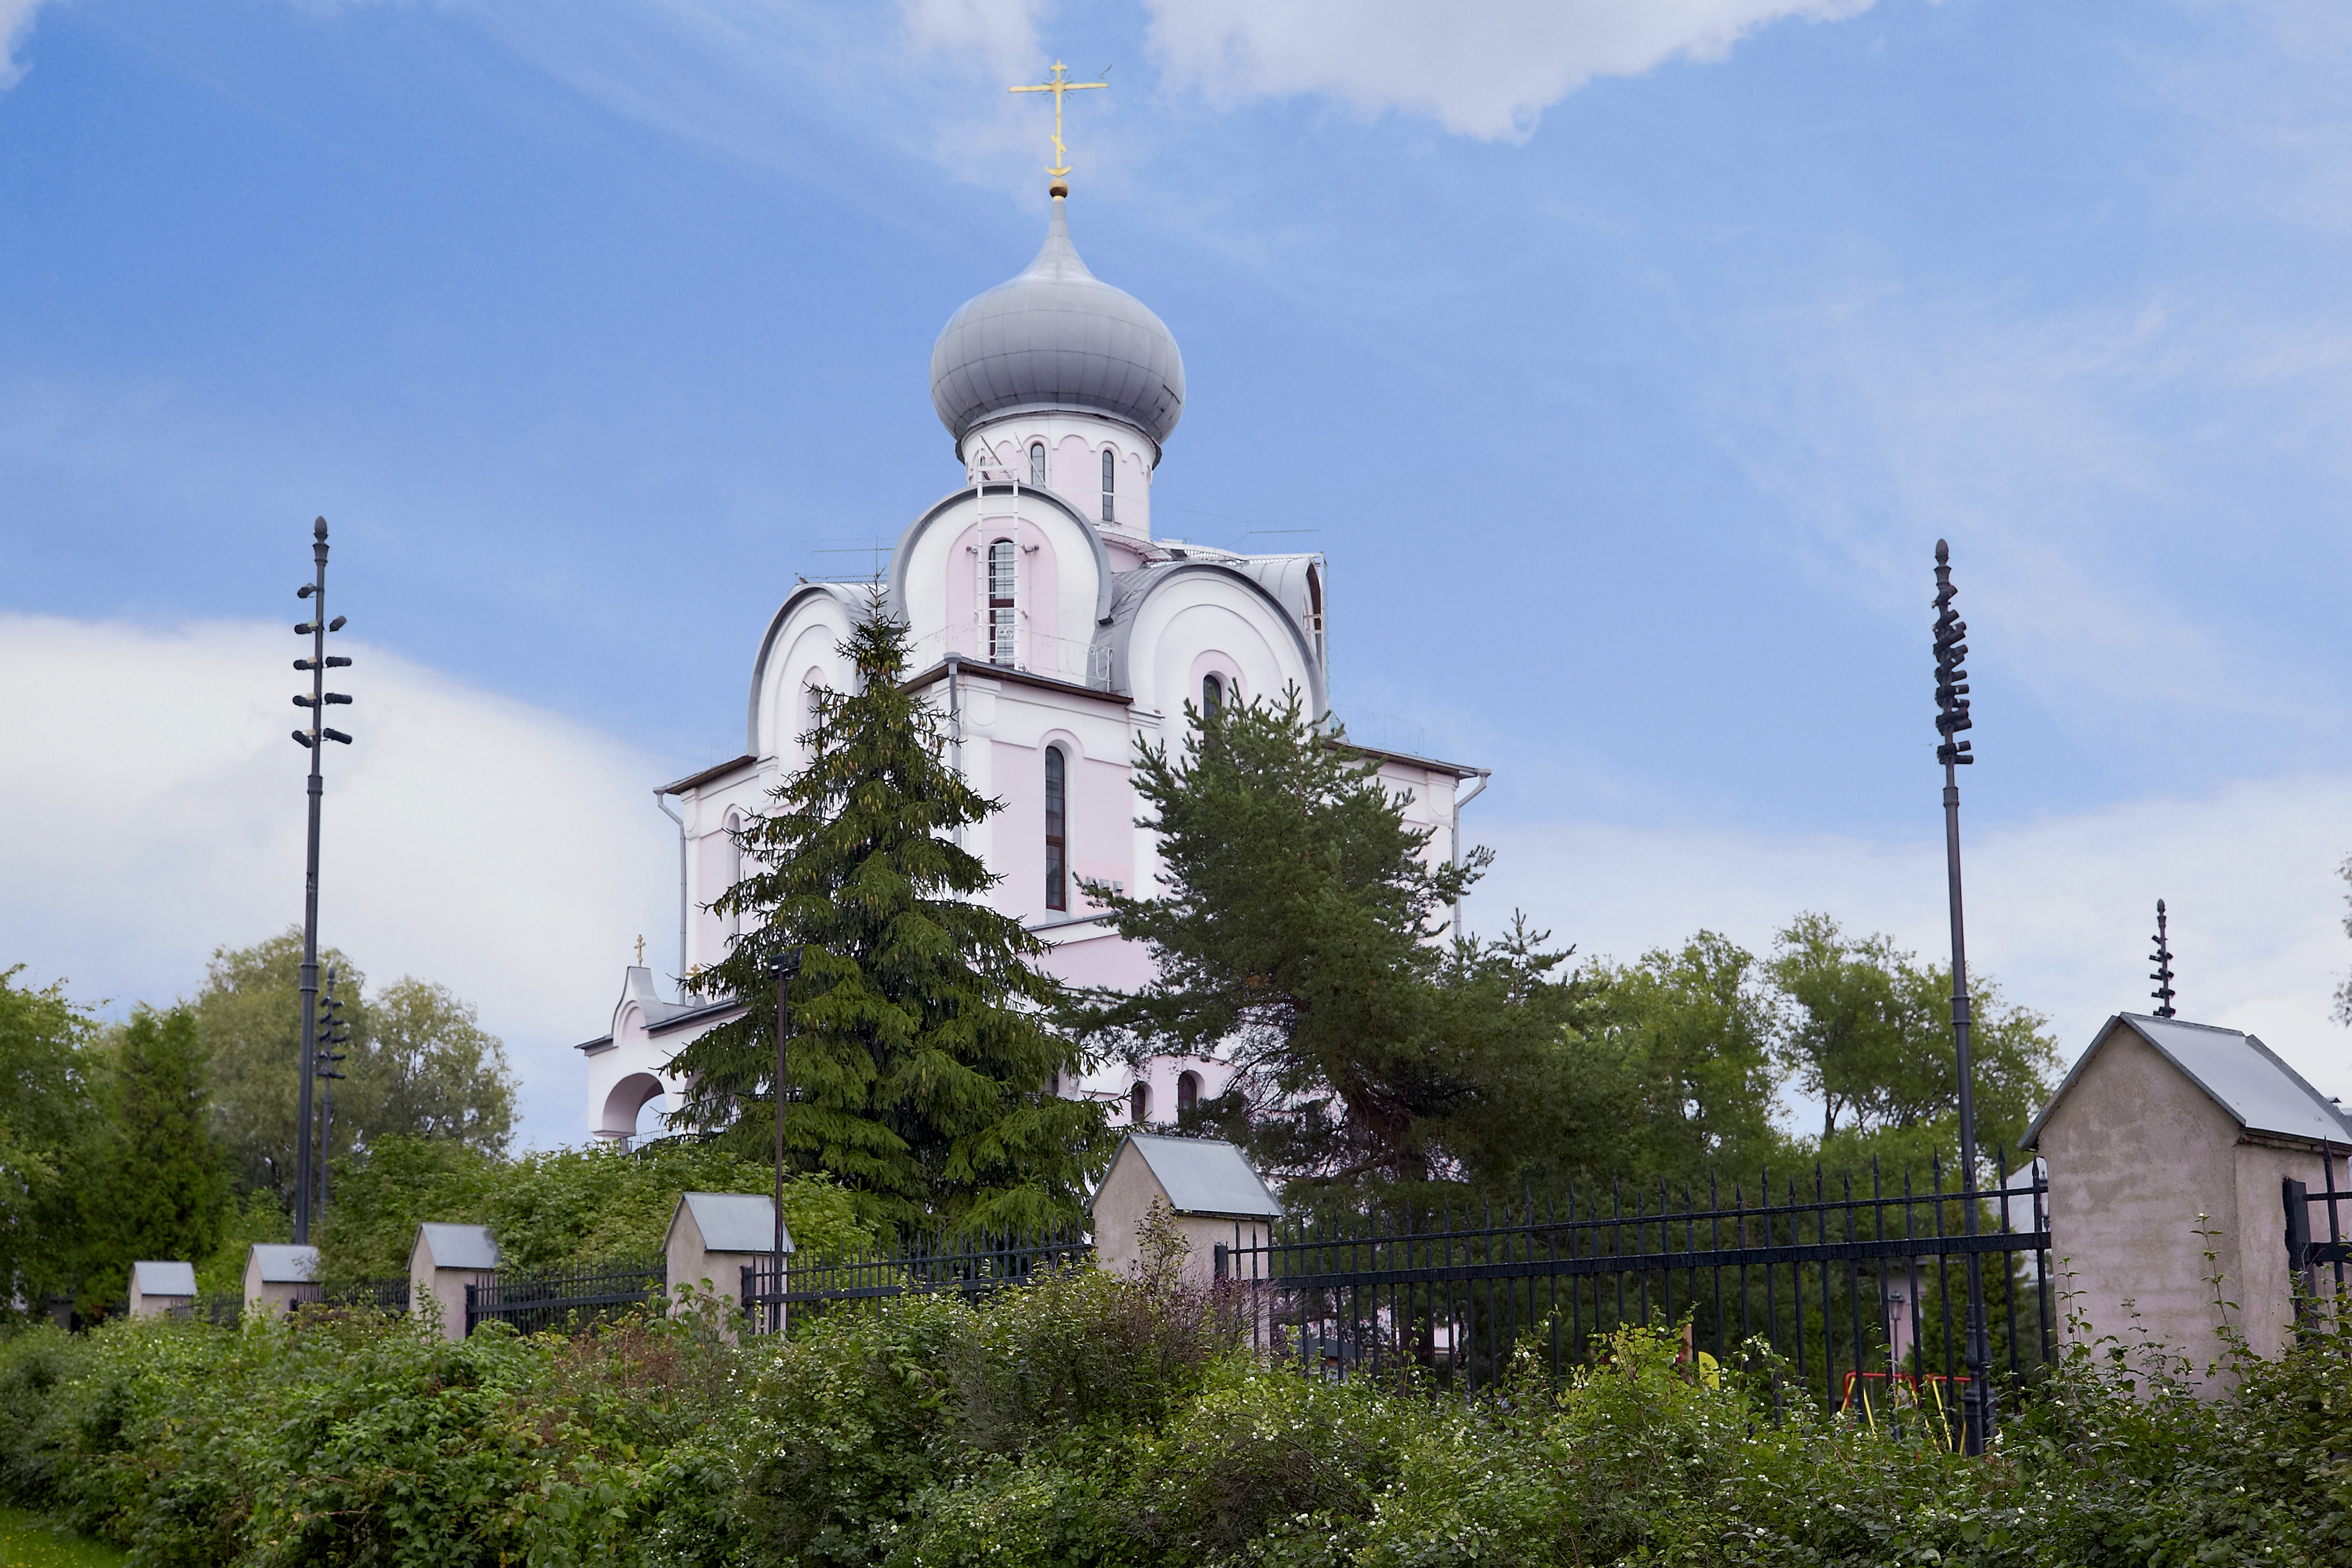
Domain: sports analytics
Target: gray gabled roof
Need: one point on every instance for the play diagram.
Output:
(163, 1279)
(2237, 1072)
(283, 1263)
(461, 1245)
(1204, 1176)
(734, 1222)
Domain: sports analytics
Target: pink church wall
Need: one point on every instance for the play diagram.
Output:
(1099, 836)
(1037, 594)
(1104, 961)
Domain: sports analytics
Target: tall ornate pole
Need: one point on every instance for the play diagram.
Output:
(2162, 959)
(1951, 718)
(332, 1032)
(313, 741)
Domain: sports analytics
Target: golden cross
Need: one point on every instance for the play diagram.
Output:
(641, 952)
(1060, 84)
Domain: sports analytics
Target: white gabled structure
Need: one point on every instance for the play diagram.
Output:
(1053, 633)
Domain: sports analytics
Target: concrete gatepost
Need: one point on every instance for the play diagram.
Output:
(158, 1290)
(1213, 1197)
(278, 1274)
(442, 1261)
(713, 1237)
(2161, 1122)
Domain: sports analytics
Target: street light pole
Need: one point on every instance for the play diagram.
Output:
(785, 966)
(313, 741)
(1952, 716)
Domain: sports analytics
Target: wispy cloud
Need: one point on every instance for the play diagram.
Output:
(1486, 70)
(15, 22)
(158, 807)
(2060, 910)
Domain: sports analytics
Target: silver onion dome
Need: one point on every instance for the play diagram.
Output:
(1057, 338)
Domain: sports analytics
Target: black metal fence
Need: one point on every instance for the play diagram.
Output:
(566, 1298)
(974, 1266)
(1863, 1294)
(384, 1295)
(2319, 1233)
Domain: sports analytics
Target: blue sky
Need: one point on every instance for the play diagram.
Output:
(1627, 360)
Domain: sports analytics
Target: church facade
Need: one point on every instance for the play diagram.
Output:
(1054, 635)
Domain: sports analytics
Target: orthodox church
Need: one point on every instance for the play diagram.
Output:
(1054, 635)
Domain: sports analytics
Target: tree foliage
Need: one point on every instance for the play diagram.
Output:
(921, 1072)
(1297, 932)
(420, 1064)
(153, 1183)
(45, 1111)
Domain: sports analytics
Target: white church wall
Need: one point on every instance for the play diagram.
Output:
(1207, 613)
(1073, 447)
(805, 647)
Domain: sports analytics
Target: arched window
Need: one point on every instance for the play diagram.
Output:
(1188, 1092)
(1057, 885)
(1110, 477)
(1037, 464)
(1139, 1103)
(1212, 694)
(1002, 556)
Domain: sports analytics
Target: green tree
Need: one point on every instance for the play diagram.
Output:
(45, 1113)
(921, 1072)
(1694, 1032)
(420, 1064)
(1870, 1037)
(1298, 931)
(153, 1185)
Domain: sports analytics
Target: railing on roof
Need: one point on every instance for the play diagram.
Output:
(1080, 663)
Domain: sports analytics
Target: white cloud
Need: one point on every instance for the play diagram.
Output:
(156, 806)
(15, 22)
(1488, 69)
(1000, 35)
(2061, 912)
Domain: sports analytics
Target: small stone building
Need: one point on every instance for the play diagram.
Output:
(1208, 1187)
(158, 1289)
(278, 1274)
(444, 1260)
(713, 1235)
(2162, 1121)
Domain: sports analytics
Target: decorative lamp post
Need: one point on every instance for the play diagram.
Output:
(1951, 718)
(786, 967)
(332, 1031)
(2162, 959)
(313, 739)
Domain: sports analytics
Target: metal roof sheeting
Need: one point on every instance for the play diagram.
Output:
(163, 1279)
(461, 1245)
(2237, 1072)
(1058, 337)
(734, 1222)
(283, 1263)
(1204, 1176)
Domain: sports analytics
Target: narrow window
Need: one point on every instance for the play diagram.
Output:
(1036, 465)
(1139, 1103)
(1057, 891)
(1213, 695)
(1188, 1092)
(1000, 558)
(1110, 475)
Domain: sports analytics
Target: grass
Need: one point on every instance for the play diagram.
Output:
(28, 1541)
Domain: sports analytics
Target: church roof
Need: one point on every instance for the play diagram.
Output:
(1057, 338)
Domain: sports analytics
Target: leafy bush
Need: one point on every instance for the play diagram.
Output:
(1088, 1419)
(562, 1206)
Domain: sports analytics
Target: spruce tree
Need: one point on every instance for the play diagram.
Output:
(157, 1186)
(920, 1069)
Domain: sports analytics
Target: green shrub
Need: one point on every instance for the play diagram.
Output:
(1120, 1422)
